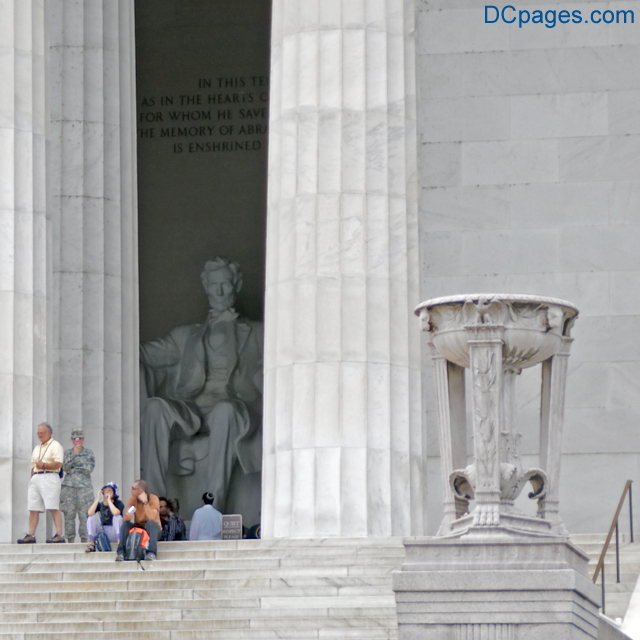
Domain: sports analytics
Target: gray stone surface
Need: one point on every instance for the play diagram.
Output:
(516, 587)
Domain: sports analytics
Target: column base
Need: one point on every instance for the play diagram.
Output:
(495, 586)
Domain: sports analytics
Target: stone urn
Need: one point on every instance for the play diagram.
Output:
(496, 336)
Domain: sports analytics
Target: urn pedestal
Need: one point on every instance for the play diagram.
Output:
(492, 572)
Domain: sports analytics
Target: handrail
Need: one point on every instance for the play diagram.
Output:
(614, 526)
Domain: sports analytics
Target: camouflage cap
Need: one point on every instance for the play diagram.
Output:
(77, 433)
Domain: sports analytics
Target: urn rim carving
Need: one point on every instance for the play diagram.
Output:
(531, 328)
(502, 297)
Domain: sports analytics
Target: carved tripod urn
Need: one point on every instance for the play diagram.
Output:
(496, 336)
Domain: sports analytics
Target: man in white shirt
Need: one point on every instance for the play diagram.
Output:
(206, 523)
(45, 483)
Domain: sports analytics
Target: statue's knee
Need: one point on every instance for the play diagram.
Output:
(155, 408)
(224, 410)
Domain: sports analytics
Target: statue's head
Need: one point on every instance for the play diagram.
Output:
(222, 279)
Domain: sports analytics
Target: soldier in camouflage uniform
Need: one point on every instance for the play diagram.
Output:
(76, 495)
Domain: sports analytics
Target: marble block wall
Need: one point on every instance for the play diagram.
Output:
(93, 208)
(529, 141)
(23, 252)
(343, 438)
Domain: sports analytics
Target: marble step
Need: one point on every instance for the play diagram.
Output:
(289, 544)
(379, 633)
(168, 597)
(155, 571)
(195, 564)
(284, 602)
(178, 622)
(68, 589)
(582, 539)
(381, 554)
(106, 610)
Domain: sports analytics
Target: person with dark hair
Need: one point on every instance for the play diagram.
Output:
(44, 486)
(142, 510)
(105, 514)
(206, 523)
(174, 505)
(173, 527)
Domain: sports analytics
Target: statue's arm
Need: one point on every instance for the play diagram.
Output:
(159, 360)
(161, 352)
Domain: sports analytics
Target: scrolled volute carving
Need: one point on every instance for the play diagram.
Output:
(512, 483)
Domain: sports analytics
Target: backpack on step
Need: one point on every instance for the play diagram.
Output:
(101, 542)
(136, 545)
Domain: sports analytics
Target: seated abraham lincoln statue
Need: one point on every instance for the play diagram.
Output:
(204, 387)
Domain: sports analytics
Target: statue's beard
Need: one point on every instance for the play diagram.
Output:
(219, 306)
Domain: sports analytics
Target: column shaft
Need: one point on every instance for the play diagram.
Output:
(23, 252)
(554, 379)
(452, 430)
(94, 210)
(485, 361)
(342, 429)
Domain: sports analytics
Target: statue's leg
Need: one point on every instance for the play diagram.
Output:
(225, 423)
(155, 427)
(162, 422)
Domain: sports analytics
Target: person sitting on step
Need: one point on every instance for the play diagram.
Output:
(105, 514)
(173, 527)
(142, 510)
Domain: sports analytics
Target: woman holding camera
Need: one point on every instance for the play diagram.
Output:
(105, 514)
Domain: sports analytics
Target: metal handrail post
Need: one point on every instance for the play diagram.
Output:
(631, 511)
(603, 608)
(617, 556)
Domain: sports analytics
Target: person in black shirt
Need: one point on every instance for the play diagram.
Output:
(173, 527)
(105, 514)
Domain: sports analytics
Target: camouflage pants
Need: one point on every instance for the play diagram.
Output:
(75, 501)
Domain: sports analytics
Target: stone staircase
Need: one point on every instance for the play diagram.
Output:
(617, 595)
(248, 589)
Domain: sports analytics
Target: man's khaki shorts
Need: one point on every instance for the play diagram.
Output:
(44, 492)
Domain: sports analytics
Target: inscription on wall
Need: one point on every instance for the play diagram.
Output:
(215, 115)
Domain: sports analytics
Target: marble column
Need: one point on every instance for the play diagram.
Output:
(92, 168)
(450, 389)
(554, 380)
(343, 443)
(23, 252)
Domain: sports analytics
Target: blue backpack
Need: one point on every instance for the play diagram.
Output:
(102, 542)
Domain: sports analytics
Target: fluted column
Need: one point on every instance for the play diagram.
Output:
(93, 205)
(23, 252)
(342, 427)
(450, 390)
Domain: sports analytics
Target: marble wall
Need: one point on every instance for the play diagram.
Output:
(203, 94)
(530, 182)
